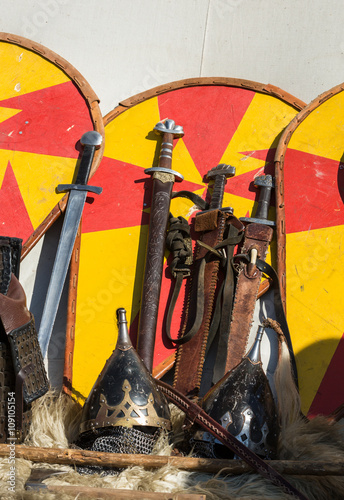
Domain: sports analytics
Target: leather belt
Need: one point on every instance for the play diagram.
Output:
(195, 414)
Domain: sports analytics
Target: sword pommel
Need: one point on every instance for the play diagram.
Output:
(91, 138)
(169, 127)
(266, 183)
(91, 141)
(221, 169)
(219, 174)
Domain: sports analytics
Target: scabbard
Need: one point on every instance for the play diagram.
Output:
(190, 356)
(22, 373)
(159, 216)
(257, 236)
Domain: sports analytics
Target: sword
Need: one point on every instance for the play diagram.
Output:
(77, 197)
(216, 226)
(163, 180)
(258, 235)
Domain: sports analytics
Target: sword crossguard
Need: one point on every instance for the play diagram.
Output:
(178, 177)
(62, 188)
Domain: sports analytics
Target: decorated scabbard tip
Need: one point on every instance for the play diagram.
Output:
(169, 126)
(91, 138)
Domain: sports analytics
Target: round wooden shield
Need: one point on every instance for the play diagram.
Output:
(225, 121)
(310, 173)
(46, 106)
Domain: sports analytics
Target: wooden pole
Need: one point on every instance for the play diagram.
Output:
(207, 465)
(83, 492)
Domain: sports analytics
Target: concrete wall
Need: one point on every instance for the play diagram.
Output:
(124, 47)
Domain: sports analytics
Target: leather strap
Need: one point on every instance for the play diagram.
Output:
(199, 306)
(196, 415)
(224, 304)
(258, 237)
(195, 198)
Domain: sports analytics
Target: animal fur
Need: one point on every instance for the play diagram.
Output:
(55, 424)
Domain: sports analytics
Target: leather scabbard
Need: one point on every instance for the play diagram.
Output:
(160, 209)
(190, 356)
(257, 236)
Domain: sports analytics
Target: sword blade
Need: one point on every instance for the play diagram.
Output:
(70, 226)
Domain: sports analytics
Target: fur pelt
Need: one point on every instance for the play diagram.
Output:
(55, 424)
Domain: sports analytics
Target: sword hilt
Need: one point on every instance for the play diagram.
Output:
(169, 131)
(91, 141)
(220, 174)
(266, 183)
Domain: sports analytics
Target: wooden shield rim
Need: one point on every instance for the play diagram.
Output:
(279, 180)
(93, 106)
(124, 105)
(203, 81)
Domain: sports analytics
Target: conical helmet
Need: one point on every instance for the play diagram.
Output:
(125, 395)
(242, 402)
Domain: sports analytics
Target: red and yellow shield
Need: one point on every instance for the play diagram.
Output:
(309, 164)
(225, 121)
(46, 106)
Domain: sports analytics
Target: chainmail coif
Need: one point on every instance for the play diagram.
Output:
(117, 440)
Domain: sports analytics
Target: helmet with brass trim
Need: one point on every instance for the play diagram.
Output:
(125, 404)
